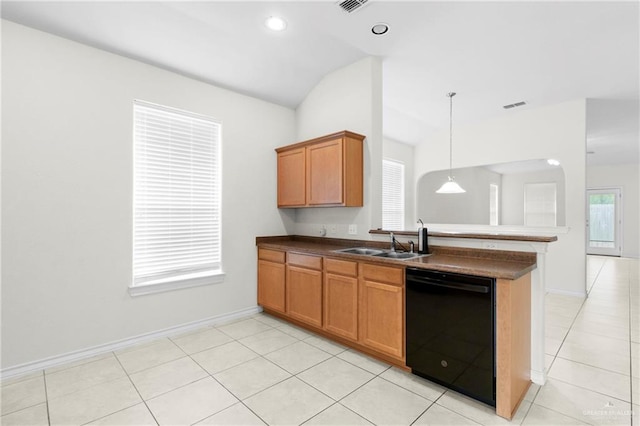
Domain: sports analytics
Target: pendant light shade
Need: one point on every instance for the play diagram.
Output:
(451, 186)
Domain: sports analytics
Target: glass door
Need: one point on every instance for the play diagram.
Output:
(603, 221)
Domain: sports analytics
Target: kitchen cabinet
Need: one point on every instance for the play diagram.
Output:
(271, 279)
(325, 171)
(381, 309)
(304, 288)
(341, 298)
(291, 178)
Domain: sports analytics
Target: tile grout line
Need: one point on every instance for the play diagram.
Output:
(422, 413)
(449, 409)
(137, 391)
(46, 396)
(630, 350)
(333, 405)
(595, 279)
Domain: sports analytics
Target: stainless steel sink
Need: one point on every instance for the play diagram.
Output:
(397, 255)
(365, 251)
(360, 250)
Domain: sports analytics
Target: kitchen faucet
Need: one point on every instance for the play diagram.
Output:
(393, 242)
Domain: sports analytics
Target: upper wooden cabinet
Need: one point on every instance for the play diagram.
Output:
(326, 171)
(291, 178)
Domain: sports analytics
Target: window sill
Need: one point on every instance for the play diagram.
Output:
(162, 286)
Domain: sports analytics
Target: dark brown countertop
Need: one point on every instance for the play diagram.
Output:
(487, 263)
(471, 235)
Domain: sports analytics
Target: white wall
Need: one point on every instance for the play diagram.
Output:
(404, 153)
(623, 176)
(557, 131)
(67, 195)
(347, 99)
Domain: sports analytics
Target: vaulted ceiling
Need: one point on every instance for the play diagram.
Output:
(490, 53)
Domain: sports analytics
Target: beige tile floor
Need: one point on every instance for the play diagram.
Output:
(261, 370)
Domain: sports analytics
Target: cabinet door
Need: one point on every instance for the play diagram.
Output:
(291, 178)
(382, 317)
(304, 295)
(341, 305)
(271, 285)
(325, 173)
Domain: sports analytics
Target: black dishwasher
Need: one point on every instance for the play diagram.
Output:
(450, 323)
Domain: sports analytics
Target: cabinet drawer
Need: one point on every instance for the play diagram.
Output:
(305, 260)
(341, 267)
(385, 274)
(271, 255)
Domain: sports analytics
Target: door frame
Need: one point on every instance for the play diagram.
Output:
(616, 251)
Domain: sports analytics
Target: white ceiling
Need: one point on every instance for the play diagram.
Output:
(490, 53)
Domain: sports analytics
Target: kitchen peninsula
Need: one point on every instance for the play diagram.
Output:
(359, 300)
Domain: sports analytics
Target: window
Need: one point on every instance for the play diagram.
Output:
(176, 241)
(392, 195)
(540, 204)
(493, 204)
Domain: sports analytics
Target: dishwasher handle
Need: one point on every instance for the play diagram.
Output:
(457, 286)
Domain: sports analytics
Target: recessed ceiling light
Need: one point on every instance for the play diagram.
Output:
(275, 23)
(380, 28)
(553, 162)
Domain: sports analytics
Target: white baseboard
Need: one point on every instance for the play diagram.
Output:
(23, 369)
(538, 377)
(582, 294)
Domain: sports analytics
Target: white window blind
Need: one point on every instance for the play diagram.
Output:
(540, 204)
(494, 208)
(176, 195)
(392, 195)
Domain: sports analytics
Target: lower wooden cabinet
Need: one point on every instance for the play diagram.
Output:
(271, 280)
(381, 309)
(304, 288)
(341, 298)
(359, 302)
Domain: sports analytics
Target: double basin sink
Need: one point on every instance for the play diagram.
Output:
(365, 251)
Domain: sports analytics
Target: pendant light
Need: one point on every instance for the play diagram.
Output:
(451, 186)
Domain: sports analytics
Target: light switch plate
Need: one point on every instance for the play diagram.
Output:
(353, 229)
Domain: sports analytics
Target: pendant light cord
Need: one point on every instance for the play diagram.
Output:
(451, 95)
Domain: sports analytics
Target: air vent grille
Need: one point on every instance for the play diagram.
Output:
(351, 6)
(517, 104)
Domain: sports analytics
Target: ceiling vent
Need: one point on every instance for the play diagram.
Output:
(517, 104)
(351, 6)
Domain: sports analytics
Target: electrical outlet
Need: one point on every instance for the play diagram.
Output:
(333, 229)
(353, 229)
(490, 245)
